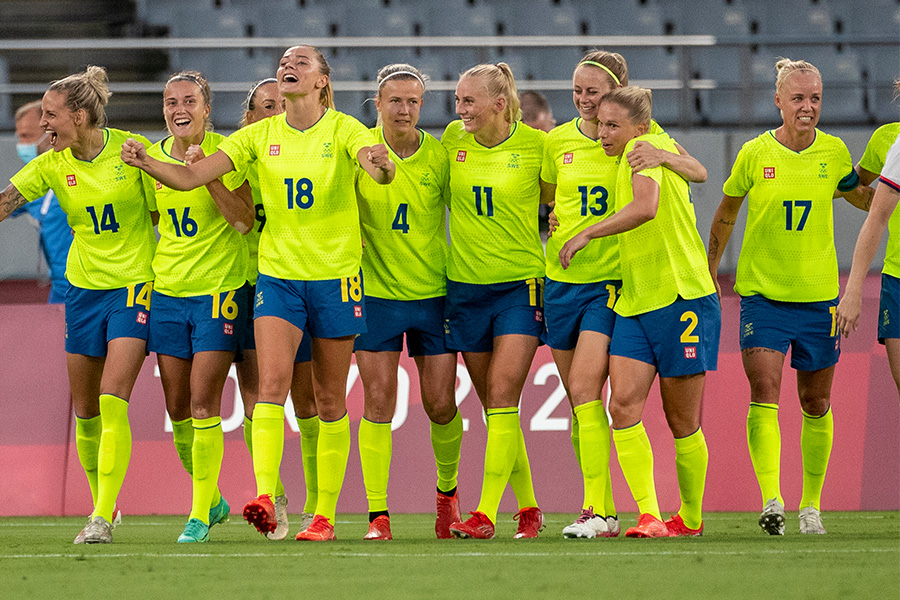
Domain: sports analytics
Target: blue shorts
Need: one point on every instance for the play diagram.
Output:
(304, 352)
(570, 308)
(477, 313)
(421, 320)
(889, 308)
(329, 308)
(679, 339)
(181, 327)
(808, 328)
(94, 317)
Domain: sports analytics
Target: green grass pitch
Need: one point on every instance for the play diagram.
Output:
(858, 558)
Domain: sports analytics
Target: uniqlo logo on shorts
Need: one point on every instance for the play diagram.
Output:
(275, 150)
(690, 352)
(70, 180)
(142, 318)
(538, 315)
(768, 172)
(567, 158)
(357, 311)
(228, 328)
(461, 156)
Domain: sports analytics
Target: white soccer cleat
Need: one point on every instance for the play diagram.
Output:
(772, 517)
(811, 521)
(98, 531)
(281, 516)
(587, 525)
(612, 527)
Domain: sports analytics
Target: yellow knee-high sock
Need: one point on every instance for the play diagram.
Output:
(499, 457)
(87, 442)
(594, 453)
(309, 444)
(375, 459)
(691, 460)
(636, 460)
(209, 447)
(334, 449)
(816, 437)
(576, 438)
(446, 440)
(268, 445)
(183, 437)
(520, 476)
(248, 440)
(114, 453)
(764, 441)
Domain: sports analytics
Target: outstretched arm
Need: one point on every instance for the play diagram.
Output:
(236, 206)
(177, 177)
(720, 233)
(10, 200)
(646, 156)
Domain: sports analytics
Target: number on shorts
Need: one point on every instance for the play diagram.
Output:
(535, 291)
(141, 297)
(351, 289)
(304, 189)
(488, 200)
(687, 336)
(187, 227)
(789, 205)
(228, 308)
(833, 311)
(611, 290)
(107, 220)
(401, 219)
(599, 207)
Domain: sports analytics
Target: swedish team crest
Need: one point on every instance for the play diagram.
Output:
(823, 170)
(327, 151)
(513, 160)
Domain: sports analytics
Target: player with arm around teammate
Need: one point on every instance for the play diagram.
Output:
(309, 262)
(787, 276)
(109, 269)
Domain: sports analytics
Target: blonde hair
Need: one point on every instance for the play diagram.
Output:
(613, 61)
(636, 100)
(500, 82)
(786, 66)
(399, 72)
(250, 100)
(88, 91)
(326, 95)
(197, 78)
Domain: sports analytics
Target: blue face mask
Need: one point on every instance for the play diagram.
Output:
(27, 152)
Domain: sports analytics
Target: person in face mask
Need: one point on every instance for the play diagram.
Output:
(54, 230)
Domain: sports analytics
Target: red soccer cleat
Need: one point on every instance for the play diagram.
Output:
(260, 512)
(531, 521)
(675, 525)
(379, 529)
(648, 527)
(447, 514)
(478, 527)
(320, 530)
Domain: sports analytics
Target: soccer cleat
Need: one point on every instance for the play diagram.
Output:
(306, 520)
(219, 513)
(117, 520)
(478, 527)
(195, 531)
(260, 512)
(379, 529)
(612, 527)
(98, 531)
(772, 517)
(588, 525)
(447, 514)
(320, 530)
(531, 521)
(648, 527)
(811, 521)
(676, 527)
(281, 517)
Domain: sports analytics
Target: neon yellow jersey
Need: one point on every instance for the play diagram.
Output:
(788, 249)
(664, 258)
(494, 198)
(106, 208)
(306, 181)
(873, 161)
(199, 253)
(403, 224)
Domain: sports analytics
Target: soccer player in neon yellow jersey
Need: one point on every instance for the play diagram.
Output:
(404, 265)
(579, 301)
(109, 268)
(787, 277)
(199, 297)
(882, 214)
(309, 262)
(667, 317)
(495, 277)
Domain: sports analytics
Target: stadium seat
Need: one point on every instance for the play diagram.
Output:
(623, 17)
(792, 18)
(881, 69)
(6, 120)
(293, 22)
(725, 19)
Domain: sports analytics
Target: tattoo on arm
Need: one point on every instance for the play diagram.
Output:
(713, 247)
(11, 201)
(758, 350)
(727, 223)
